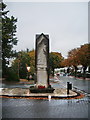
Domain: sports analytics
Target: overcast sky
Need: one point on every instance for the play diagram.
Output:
(66, 23)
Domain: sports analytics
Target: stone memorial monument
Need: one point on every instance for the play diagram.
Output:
(42, 64)
(42, 59)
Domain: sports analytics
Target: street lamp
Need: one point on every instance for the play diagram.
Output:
(28, 69)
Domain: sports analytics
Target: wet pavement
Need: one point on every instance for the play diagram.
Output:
(54, 108)
(77, 83)
(32, 108)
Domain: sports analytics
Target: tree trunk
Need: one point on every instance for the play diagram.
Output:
(53, 72)
(75, 70)
(84, 71)
(68, 70)
(89, 69)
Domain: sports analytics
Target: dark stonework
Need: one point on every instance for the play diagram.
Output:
(42, 65)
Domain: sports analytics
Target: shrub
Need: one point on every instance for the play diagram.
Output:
(12, 75)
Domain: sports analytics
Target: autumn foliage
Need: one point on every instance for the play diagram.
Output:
(78, 56)
(55, 60)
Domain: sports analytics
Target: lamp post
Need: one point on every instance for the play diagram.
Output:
(28, 69)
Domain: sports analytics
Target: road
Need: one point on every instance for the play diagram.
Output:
(80, 84)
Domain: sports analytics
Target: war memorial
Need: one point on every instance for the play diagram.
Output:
(46, 98)
(42, 65)
(41, 86)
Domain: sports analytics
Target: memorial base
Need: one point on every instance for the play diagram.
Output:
(44, 90)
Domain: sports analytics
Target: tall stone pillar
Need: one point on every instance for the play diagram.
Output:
(42, 60)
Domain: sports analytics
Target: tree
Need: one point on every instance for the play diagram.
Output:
(8, 38)
(32, 61)
(78, 56)
(83, 56)
(73, 59)
(66, 62)
(55, 59)
(20, 64)
(24, 59)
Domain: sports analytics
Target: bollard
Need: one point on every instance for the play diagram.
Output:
(49, 97)
(69, 87)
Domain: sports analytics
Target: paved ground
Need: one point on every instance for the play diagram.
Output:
(28, 108)
(59, 92)
(54, 108)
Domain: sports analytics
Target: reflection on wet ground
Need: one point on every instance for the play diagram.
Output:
(28, 108)
(33, 108)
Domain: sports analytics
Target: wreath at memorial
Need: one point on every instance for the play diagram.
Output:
(41, 86)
